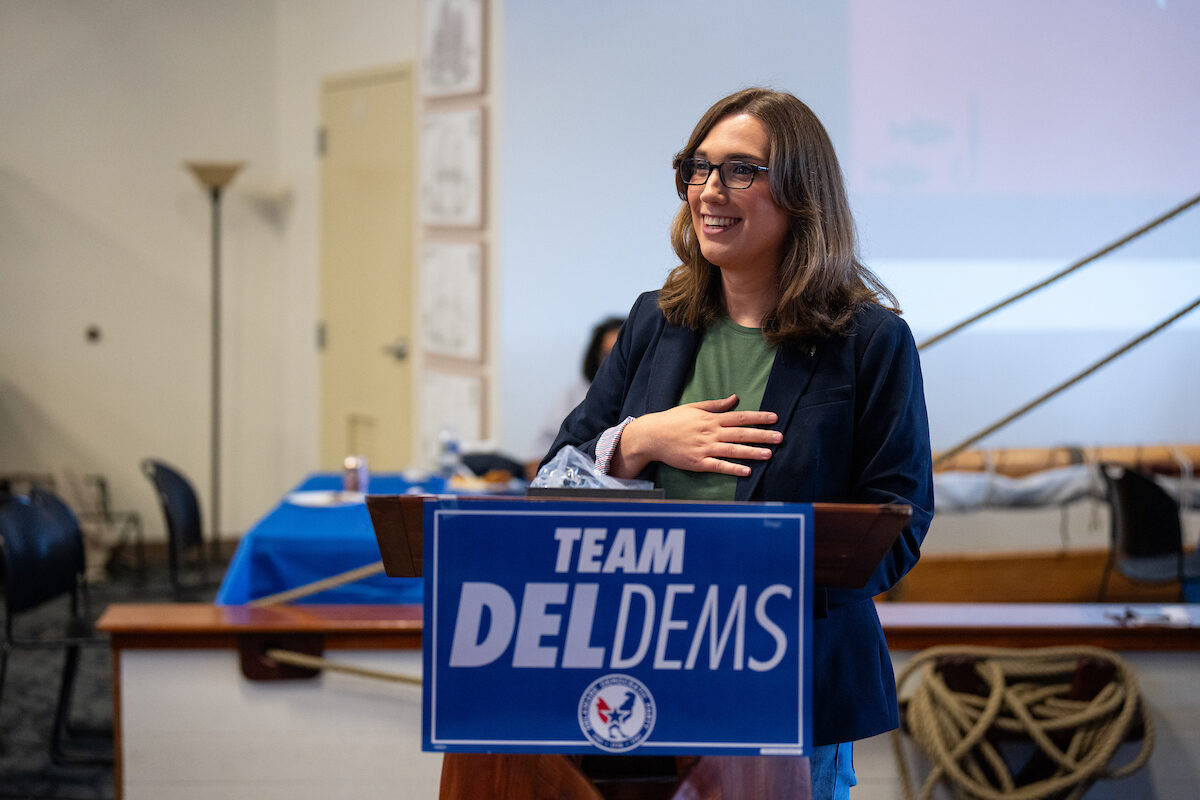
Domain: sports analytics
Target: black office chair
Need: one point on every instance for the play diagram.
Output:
(181, 511)
(42, 552)
(1146, 535)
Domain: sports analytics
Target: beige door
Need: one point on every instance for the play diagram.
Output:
(368, 191)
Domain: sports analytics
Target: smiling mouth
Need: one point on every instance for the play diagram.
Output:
(719, 223)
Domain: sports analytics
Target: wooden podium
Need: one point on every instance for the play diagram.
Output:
(850, 541)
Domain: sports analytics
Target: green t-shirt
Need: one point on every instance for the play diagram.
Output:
(732, 360)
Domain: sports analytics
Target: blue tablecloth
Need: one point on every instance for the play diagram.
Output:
(294, 545)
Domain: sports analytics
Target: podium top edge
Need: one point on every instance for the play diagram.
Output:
(896, 509)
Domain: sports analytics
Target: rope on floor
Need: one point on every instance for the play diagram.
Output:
(1023, 694)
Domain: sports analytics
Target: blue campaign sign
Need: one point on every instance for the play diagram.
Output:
(584, 627)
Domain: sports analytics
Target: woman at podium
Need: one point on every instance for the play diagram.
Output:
(773, 365)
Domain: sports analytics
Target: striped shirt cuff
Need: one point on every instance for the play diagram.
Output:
(606, 445)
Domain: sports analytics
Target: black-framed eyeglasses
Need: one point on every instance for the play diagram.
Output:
(734, 174)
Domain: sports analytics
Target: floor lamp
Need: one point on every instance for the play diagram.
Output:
(215, 176)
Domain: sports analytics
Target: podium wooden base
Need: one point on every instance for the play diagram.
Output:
(469, 776)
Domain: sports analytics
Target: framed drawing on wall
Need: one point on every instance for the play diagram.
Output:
(451, 278)
(449, 402)
(452, 48)
(451, 169)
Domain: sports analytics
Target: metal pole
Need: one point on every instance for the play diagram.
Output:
(942, 458)
(214, 175)
(1124, 240)
(215, 453)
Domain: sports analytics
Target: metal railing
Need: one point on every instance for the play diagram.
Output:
(1063, 386)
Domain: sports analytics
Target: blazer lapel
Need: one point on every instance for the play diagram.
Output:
(673, 360)
(790, 374)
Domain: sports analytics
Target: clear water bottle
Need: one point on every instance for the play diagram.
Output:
(449, 455)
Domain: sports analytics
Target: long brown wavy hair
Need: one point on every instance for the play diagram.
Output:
(820, 278)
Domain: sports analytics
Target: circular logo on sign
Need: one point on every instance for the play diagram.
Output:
(616, 712)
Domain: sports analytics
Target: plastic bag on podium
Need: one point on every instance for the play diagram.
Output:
(572, 469)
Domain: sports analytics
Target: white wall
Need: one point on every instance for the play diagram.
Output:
(102, 226)
(99, 103)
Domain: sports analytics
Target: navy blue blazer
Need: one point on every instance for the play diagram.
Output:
(852, 413)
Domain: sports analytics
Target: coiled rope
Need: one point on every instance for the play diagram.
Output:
(1024, 695)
